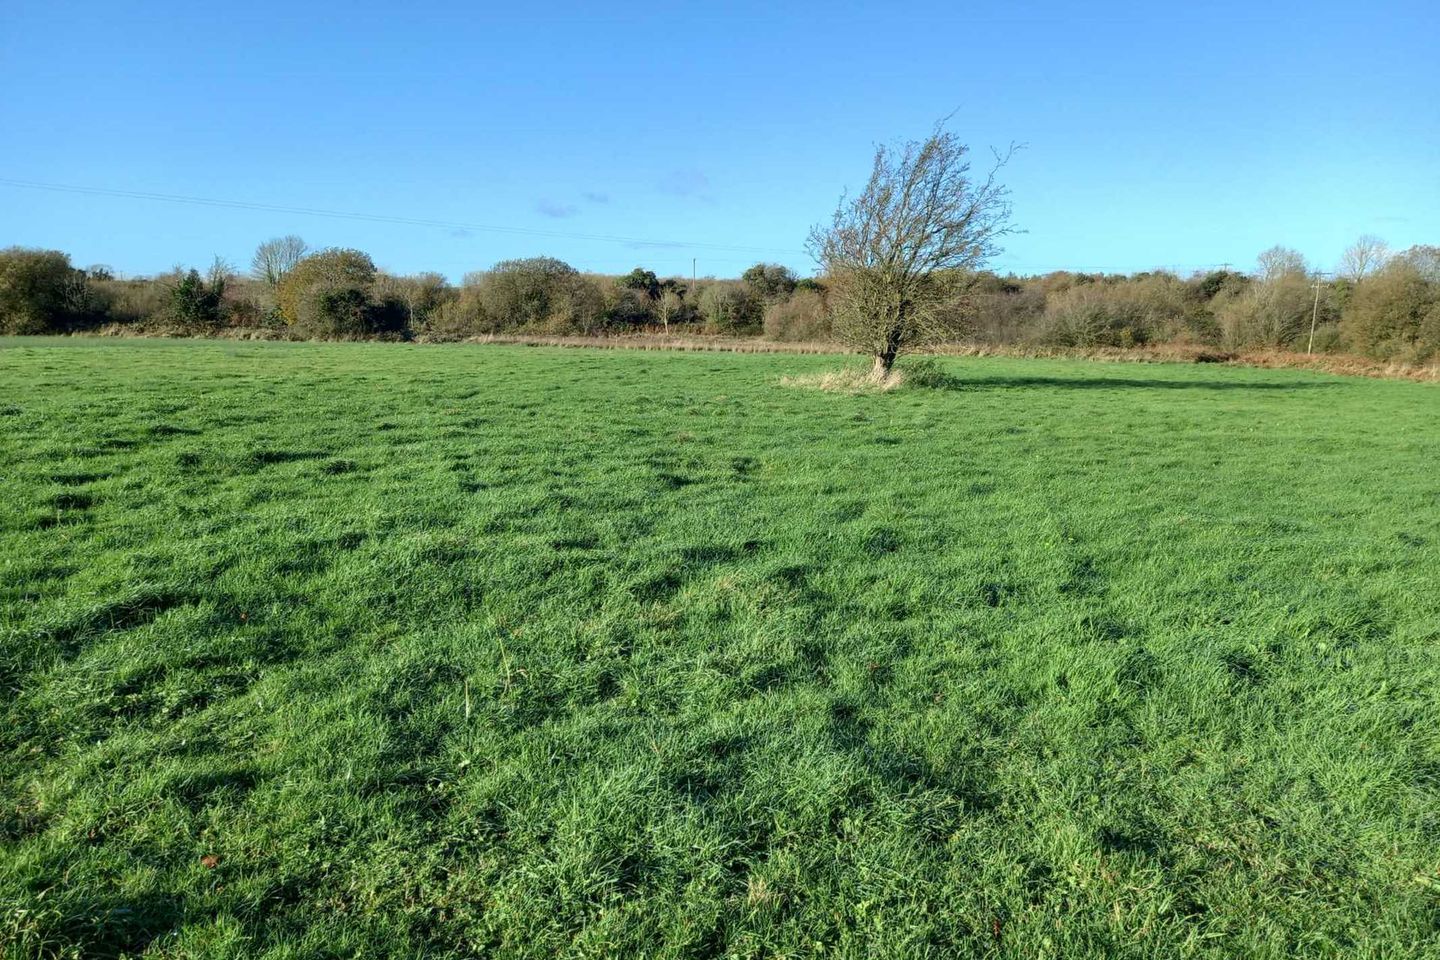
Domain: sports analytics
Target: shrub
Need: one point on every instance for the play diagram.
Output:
(1117, 313)
(538, 293)
(769, 282)
(192, 302)
(337, 310)
(40, 292)
(130, 301)
(250, 303)
(525, 292)
(579, 307)
(642, 280)
(336, 293)
(1060, 280)
(1006, 315)
(928, 372)
(420, 296)
(1207, 286)
(332, 270)
(1090, 316)
(1328, 338)
(1273, 310)
(1395, 314)
(802, 317)
(729, 308)
(462, 316)
(1266, 314)
(626, 307)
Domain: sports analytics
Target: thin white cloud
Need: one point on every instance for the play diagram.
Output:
(690, 182)
(555, 210)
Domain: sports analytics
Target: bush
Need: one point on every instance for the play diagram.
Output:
(335, 293)
(800, 318)
(642, 280)
(130, 301)
(1090, 317)
(1208, 286)
(250, 304)
(1006, 316)
(333, 310)
(729, 308)
(420, 296)
(539, 293)
(1395, 314)
(40, 292)
(1273, 311)
(462, 316)
(192, 302)
(332, 270)
(769, 282)
(1328, 338)
(928, 372)
(578, 308)
(523, 293)
(1117, 313)
(626, 307)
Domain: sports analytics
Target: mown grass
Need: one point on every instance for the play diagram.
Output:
(377, 650)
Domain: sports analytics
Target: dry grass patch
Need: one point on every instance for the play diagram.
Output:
(916, 372)
(847, 380)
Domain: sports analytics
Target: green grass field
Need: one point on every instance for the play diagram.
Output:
(384, 650)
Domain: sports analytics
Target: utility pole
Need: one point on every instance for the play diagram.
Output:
(692, 274)
(1314, 315)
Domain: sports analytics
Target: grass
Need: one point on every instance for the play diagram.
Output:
(381, 650)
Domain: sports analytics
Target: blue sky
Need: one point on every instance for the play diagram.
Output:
(1157, 134)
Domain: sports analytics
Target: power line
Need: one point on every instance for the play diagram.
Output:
(1022, 270)
(380, 218)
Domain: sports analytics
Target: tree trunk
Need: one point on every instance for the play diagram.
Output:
(883, 363)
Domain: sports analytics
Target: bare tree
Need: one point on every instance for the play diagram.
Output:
(274, 258)
(897, 255)
(1425, 260)
(221, 272)
(1278, 262)
(667, 306)
(1363, 257)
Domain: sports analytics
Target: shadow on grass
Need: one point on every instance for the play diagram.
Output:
(116, 926)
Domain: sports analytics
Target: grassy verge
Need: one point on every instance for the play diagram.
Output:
(370, 650)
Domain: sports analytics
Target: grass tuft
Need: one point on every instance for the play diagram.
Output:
(854, 378)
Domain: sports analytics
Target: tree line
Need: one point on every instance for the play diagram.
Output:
(1375, 303)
